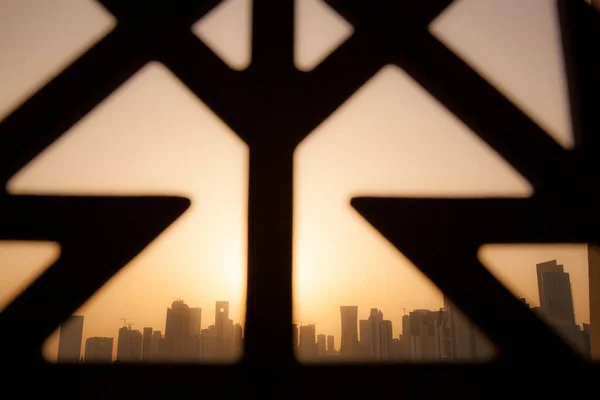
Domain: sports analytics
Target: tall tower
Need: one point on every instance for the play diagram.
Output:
(321, 344)
(177, 330)
(365, 337)
(69, 343)
(155, 346)
(556, 299)
(330, 344)
(195, 320)
(385, 340)
(375, 319)
(349, 344)
(224, 329)
(238, 340)
(308, 345)
(147, 344)
(556, 303)
(129, 345)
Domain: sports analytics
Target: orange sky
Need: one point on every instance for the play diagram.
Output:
(153, 136)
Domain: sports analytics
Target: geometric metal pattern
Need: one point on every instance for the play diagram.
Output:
(272, 107)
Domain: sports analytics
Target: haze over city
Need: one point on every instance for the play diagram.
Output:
(153, 136)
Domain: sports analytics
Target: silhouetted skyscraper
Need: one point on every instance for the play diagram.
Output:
(330, 344)
(385, 340)
(147, 344)
(69, 342)
(405, 338)
(157, 350)
(375, 318)
(444, 334)
(321, 344)
(365, 338)
(224, 327)
(195, 320)
(308, 346)
(349, 343)
(554, 288)
(177, 331)
(238, 340)
(556, 303)
(208, 344)
(424, 341)
(98, 350)
(129, 345)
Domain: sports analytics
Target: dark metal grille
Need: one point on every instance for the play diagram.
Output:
(272, 106)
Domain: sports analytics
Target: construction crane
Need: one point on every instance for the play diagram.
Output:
(407, 303)
(128, 325)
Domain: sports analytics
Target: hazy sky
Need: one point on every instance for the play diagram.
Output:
(153, 136)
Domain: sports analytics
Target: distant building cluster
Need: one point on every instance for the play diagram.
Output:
(427, 335)
(444, 334)
(183, 340)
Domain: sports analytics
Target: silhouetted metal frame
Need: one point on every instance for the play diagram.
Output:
(272, 106)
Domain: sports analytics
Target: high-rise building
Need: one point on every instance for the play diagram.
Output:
(444, 335)
(155, 347)
(375, 319)
(405, 339)
(195, 320)
(556, 299)
(147, 344)
(321, 344)
(386, 337)
(330, 344)
(424, 340)
(365, 338)
(129, 345)
(308, 346)
(396, 350)
(594, 284)
(208, 344)
(69, 342)
(238, 340)
(224, 327)
(98, 350)
(177, 331)
(556, 303)
(349, 343)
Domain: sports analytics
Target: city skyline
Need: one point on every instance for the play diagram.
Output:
(332, 327)
(426, 335)
(390, 138)
(172, 342)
